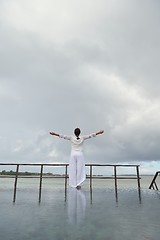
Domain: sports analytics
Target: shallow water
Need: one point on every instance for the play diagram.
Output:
(78, 214)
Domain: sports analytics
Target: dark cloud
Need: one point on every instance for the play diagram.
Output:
(93, 65)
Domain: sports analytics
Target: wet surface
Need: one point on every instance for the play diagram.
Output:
(80, 214)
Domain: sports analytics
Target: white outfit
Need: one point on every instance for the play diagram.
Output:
(77, 164)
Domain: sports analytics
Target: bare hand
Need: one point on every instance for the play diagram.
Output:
(101, 131)
(55, 134)
(52, 133)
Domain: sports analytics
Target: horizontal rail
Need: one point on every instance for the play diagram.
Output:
(67, 164)
(63, 176)
(34, 164)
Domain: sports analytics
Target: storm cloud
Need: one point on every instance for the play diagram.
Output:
(93, 65)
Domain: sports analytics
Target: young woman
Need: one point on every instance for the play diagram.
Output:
(77, 164)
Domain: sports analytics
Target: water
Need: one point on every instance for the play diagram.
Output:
(79, 214)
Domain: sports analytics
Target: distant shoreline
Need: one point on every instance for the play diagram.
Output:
(51, 175)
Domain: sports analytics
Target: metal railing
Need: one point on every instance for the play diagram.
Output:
(115, 177)
(153, 184)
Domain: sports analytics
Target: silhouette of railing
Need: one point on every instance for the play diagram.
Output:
(153, 184)
(65, 175)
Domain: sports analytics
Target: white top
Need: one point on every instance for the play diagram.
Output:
(77, 144)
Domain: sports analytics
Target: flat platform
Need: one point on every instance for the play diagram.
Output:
(78, 214)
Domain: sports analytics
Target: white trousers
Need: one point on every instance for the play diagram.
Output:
(76, 169)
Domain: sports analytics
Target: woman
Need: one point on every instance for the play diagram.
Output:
(77, 164)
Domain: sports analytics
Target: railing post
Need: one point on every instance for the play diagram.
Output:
(90, 176)
(15, 183)
(66, 172)
(115, 181)
(153, 181)
(40, 184)
(138, 178)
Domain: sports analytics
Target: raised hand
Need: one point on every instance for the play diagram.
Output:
(100, 132)
(55, 134)
(52, 133)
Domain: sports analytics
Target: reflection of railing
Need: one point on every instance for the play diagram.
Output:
(153, 184)
(65, 176)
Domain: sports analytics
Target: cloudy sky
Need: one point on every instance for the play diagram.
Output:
(91, 64)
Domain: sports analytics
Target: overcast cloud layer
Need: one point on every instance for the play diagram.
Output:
(88, 64)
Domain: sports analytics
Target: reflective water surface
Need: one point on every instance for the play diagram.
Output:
(79, 214)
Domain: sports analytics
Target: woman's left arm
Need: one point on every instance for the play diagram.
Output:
(93, 134)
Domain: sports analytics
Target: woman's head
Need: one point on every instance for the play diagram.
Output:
(77, 132)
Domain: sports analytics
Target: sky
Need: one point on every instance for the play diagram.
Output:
(91, 64)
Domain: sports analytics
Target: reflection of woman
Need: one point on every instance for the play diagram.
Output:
(76, 206)
(77, 164)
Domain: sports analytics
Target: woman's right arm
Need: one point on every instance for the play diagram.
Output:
(60, 135)
(55, 134)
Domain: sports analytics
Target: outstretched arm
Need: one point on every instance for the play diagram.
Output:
(55, 134)
(93, 134)
(60, 135)
(100, 132)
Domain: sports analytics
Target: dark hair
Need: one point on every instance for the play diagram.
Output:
(77, 132)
